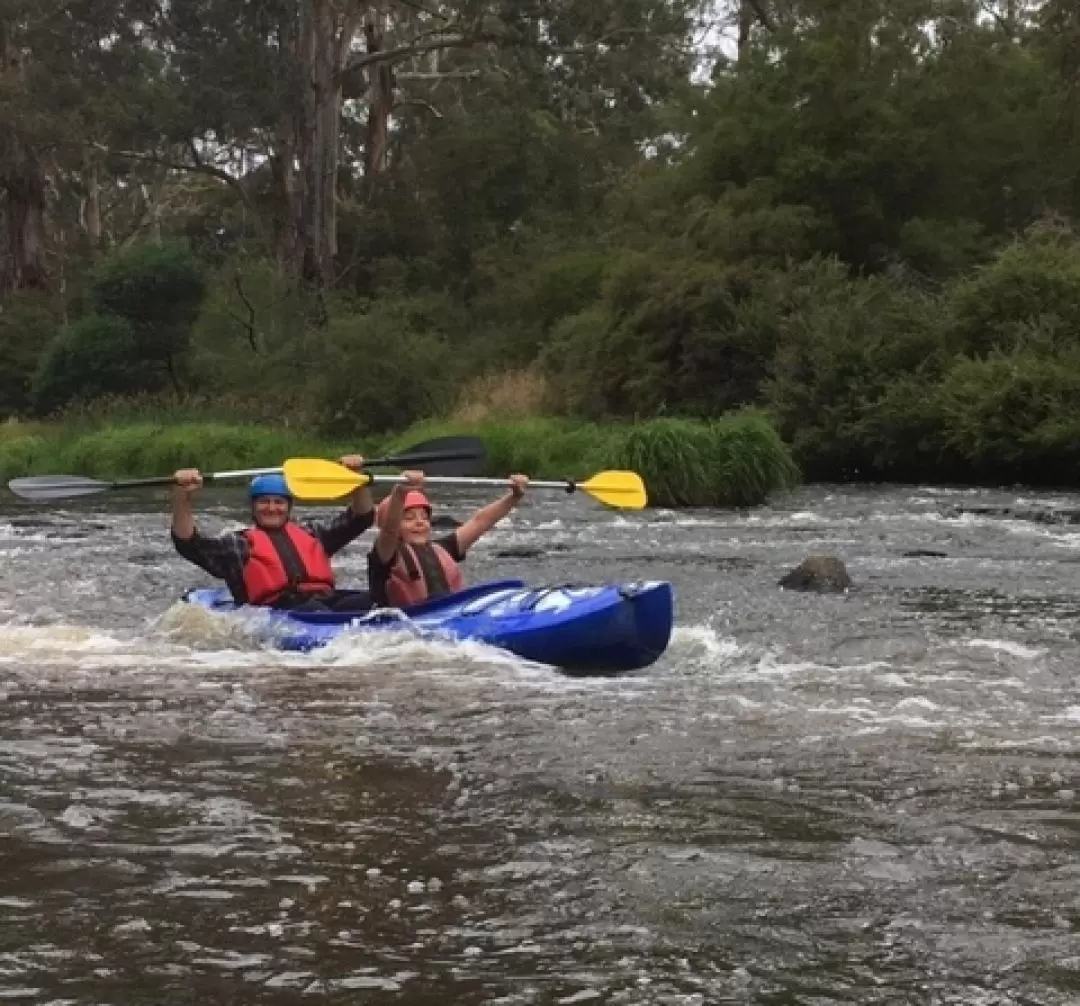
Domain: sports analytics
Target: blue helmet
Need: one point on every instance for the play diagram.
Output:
(269, 485)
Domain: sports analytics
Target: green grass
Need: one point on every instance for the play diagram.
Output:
(735, 461)
(148, 448)
(732, 462)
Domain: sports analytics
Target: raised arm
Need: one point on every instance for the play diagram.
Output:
(386, 544)
(487, 517)
(360, 502)
(188, 482)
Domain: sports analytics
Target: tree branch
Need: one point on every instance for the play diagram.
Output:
(421, 104)
(252, 332)
(200, 167)
(412, 49)
(437, 75)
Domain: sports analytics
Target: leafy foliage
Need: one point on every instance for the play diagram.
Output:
(94, 357)
(27, 323)
(861, 225)
(158, 290)
(383, 370)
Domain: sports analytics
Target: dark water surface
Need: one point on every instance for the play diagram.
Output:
(867, 798)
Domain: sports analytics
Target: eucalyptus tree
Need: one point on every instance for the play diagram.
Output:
(70, 71)
(294, 99)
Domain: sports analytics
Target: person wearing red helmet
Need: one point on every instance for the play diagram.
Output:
(278, 562)
(406, 566)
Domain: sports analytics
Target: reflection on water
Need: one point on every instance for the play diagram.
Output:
(864, 798)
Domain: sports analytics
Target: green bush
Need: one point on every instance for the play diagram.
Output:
(382, 370)
(250, 348)
(1031, 285)
(844, 343)
(1012, 416)
(157, 289)
(96, 356)
(683, 335)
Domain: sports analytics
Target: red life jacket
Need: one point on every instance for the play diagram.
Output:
(421, 572)
(286, 560)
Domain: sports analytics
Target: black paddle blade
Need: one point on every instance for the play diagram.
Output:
(42, 488)
(462, 456)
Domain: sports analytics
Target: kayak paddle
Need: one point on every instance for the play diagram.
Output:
(54, 487)
(314, 479)
(444, 455)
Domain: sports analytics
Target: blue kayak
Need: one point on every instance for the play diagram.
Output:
(604, 629)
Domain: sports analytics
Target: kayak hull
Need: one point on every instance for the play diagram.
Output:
(594, 630)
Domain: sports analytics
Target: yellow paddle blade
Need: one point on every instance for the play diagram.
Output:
(615, 488)
(316, 480)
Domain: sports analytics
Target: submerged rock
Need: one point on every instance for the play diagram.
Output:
(821, 573)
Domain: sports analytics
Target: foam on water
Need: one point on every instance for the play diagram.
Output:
(1008, 647)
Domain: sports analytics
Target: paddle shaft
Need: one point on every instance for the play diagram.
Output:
(443, 455)
(391, 460)
(463, 480)
(418, 458)
(167, 480)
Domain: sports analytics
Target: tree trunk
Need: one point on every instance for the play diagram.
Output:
(91, 204)
(746, 22)
(380, 105)
(23, 181)
(321, 47)
(288, 215)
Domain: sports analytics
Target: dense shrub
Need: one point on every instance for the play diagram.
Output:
(158, 290)
(683, 335)
(383, 369)
(1013, 416)
(843, 343)
(1031, 285)
(94, 357)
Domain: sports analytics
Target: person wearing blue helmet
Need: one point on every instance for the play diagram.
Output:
(278, 562)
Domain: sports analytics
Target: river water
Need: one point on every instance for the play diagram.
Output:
(862, 798)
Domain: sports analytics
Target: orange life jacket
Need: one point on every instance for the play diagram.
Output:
(285, 560)
(421, 572)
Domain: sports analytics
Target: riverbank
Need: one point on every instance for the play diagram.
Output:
(738, 460)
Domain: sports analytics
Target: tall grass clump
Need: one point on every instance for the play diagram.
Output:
(735, 461)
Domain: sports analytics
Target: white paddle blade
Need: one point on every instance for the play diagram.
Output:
(41, 488)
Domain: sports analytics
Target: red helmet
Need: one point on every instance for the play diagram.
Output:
(413, 498)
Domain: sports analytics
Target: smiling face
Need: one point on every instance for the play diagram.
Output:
(415, 527)
(270, 512)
